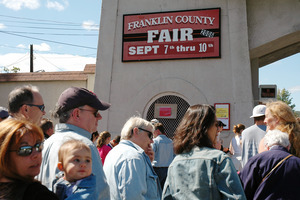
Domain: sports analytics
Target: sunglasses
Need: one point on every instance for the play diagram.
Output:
(41, 107)
(150, 134)
(27, 150)
(95, 113)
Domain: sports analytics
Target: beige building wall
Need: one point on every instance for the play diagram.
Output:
(132, 86)
(50, 84)
(246, 27)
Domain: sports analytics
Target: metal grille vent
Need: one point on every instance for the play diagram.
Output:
(170, 125)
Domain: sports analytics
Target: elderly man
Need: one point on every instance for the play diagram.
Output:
(78, 113)
(26, 103)
(273, 174)
(163, 153)
(127, 167)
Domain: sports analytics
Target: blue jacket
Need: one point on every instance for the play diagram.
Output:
(130, 174)
(85, 189)
(283, 183)
(163, 151)
(202, 173)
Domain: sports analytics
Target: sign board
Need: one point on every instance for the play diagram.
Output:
(166, 111)
(171, 35)
(223, 114)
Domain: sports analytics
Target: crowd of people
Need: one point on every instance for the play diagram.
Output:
(73, 161)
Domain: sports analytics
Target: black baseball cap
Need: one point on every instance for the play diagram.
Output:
(75, 97)
(220, 123)
(3, 113)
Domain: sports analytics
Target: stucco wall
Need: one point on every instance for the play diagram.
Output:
(130, 86)
(269, 20)
(50, 91)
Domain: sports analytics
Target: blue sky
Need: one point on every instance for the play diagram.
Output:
(284, 73)
(57, 30)
(64, 35)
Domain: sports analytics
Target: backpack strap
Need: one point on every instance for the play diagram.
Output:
(278, 164)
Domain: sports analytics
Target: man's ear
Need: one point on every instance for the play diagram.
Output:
(24, 110)
(135, 131)
(75, 113)
(60, 166)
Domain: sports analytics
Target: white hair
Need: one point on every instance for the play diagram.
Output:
(134, 121)
(276, 137)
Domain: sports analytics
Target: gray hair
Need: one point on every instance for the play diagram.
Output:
(276, 137)
(133, 122)
(62, 117)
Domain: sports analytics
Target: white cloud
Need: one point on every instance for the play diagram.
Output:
(90, 25)
(19, 4)
(295, 89)
(41, 47)
(57, 6)
(47, 62)
(21, 46)
(2, 26)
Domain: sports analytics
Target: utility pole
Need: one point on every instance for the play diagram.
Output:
(31, 58)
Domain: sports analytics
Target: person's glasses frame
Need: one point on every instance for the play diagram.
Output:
(95, 113)
(27, 150)
(150, 134)
(41, 107)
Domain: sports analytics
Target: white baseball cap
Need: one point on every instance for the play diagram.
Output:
(154, 121)
(258, 111)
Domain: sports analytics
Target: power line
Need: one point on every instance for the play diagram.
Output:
(49, 28)
(40, 33)
(74, 45)
(42, 23)
(43, 20)
(49, 62)
(50, 52)
(18, 61)
(7, 46)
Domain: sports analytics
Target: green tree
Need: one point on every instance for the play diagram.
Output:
(285, 96)
(13, 70)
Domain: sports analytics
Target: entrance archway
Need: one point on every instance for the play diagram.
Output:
(170, 125)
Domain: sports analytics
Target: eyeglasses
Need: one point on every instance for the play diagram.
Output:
(27, 150)
(95, 113)
(150, 134)
(41, 107)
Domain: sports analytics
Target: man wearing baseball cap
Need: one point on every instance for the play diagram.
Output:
(78, 112)
(252, 135)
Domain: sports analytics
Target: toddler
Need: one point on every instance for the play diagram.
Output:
(77, 181)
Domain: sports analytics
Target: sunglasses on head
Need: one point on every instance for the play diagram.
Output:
(150, 134)
(41, 107)
(27, 150)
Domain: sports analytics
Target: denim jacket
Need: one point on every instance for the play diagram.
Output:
(202, 173)
(130, 174)
(83, 189)
(163, 151)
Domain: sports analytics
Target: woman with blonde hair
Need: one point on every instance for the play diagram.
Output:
(235, 146)
(280, 116)
(102, 142)
(21, 145)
